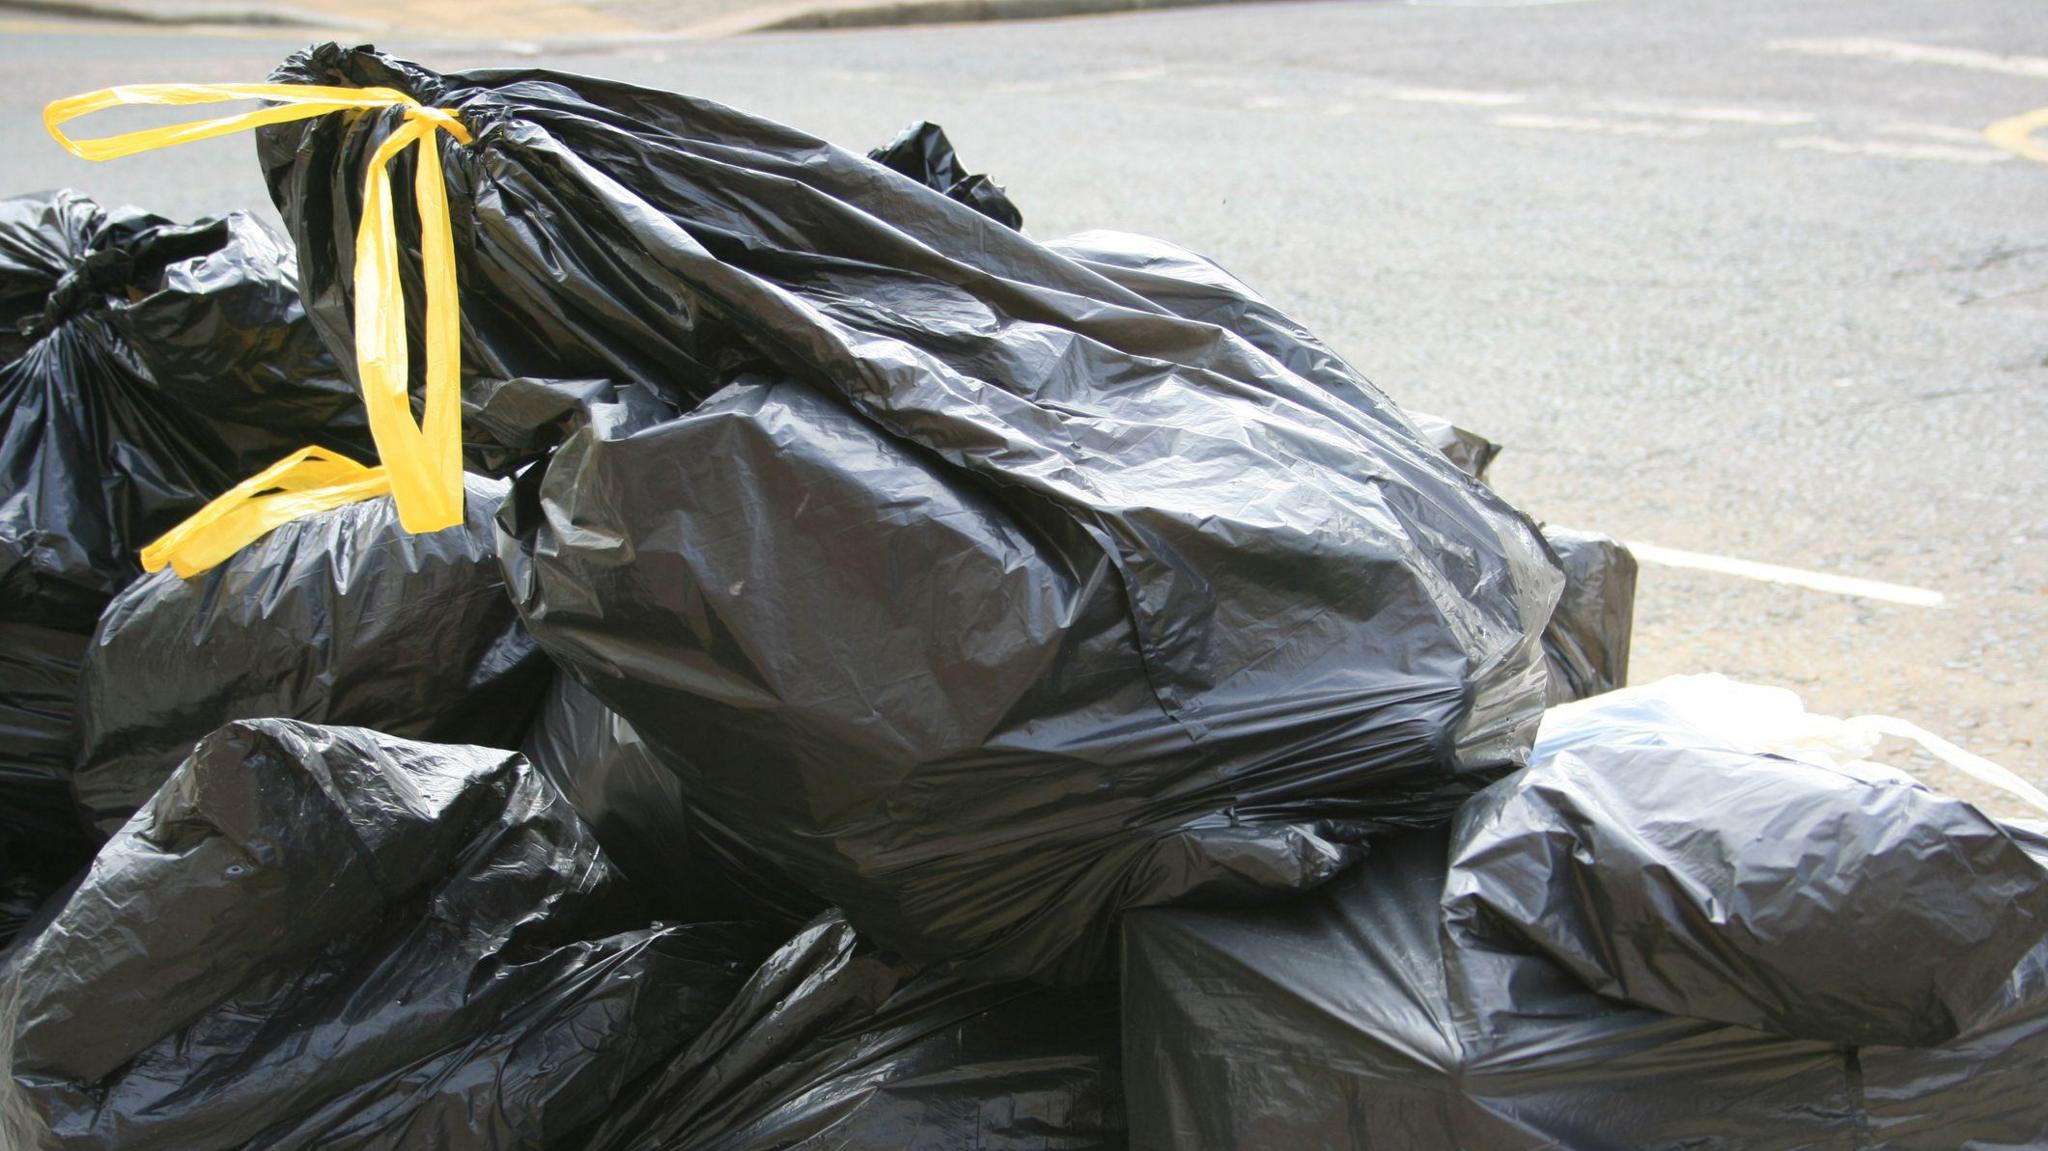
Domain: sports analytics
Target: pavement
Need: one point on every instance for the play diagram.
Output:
(1744, 280)
(540, 25)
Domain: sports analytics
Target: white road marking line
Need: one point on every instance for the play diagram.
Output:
(1895, 151)
(1714, 113)
(1932, 132)
(1551, 123)
(1795, 577)
(1127, 76)
(1593, 125)
(1454, 96)
(1902, 52)
(1488, 3)
(1762, 116)
(1259, 103)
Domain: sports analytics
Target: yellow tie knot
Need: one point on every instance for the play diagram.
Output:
(440, 118)
(420, 461)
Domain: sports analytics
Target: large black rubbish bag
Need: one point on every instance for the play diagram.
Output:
(145, 365)
(1587, 643)
(1842, 902)
(325, 937)
(1351, 1018)
(634, 805)
(984, 596)
(833, 1044)
(341, 617)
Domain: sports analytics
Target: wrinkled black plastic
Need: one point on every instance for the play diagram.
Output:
(1846, 904)
(1472, 452)
(922, 152)
(324, 937)
(41, 837)
(1348, 1020)
(1197, 288)
(635, 807)
(979, 591)
(144, 367)
(1586, 645)
(833, 1044)
(1364, 1016)
(341, 617)
(508, 424)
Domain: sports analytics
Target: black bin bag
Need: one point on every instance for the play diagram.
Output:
(326, 937)
(1381, 1010)
(634, 805)
(1587, 642)
(145, 366)
(836, 1045)
(1843, 903)
(340, 617)
(981, 594)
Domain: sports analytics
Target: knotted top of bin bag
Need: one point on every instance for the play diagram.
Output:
(982, 594)
(1842, 903)
(143, 366)
(323, 937)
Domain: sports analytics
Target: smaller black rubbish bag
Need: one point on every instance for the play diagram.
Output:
(835, 1045)
(145, 366)
(340, 617)
(1352, 1019)
(1843, 903)
(1448, 992)
(325, 937)
(1585, 647)
(678, 864)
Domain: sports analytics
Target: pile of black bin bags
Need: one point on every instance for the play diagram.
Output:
(1024, 590)
(145, 367)
(899, 684)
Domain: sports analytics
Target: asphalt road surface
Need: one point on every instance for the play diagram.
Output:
(1742, 279)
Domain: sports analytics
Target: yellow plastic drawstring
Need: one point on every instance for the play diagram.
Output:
(420, 462)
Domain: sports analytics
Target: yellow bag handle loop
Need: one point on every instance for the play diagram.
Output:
(307, 481)
(420, 461)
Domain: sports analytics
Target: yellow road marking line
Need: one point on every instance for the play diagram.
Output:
(2015, 134)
